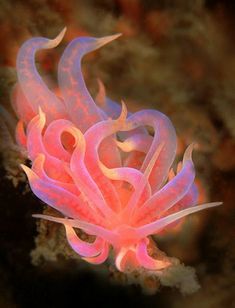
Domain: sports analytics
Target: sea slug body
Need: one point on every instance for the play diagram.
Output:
(97, 164)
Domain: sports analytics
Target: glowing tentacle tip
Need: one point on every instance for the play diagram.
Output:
(101, 95)
(42, 116)
(106, 39)
(30, 174)
(52, 43)
(123, 114)
(188, 153)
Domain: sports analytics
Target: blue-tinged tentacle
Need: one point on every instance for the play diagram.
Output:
(163, 132)
(81, 247)
(80, 105)
(170, 194)
(159, 224)
(34, 89)
(58, 198)
(111, 109)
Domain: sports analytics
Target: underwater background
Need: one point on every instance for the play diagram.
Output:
(174, 56)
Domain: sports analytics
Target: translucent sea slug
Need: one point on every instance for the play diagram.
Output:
(97, 164)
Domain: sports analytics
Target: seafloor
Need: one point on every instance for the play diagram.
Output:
(176, 56)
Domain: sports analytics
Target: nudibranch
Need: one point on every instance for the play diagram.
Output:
(97, 164)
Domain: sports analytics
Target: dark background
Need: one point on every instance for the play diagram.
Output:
(175, 56)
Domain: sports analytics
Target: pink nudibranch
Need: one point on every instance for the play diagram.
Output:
(96, 163)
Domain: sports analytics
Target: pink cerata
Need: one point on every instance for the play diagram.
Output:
(97, 164)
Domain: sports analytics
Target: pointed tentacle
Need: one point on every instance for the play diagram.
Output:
(136, 142)
(145, 260)
(129, 175)
(101, 258)
(94, 136)
(164, 132)
(113, 109)
(130, 209)
(170, 194)
(90, 228)
(52, 138)
(33, 87)
(82, 248)
(21, 138)
(38, 168)
(80, 106)
(125, 258)
(84, 181)
(189, 200)
(109, 107)
(59, 198)
(21, 105)
(156, 226)
(54, 167)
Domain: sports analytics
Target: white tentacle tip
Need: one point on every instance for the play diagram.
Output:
(188, 152)
(106, 39)
(55, 42)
